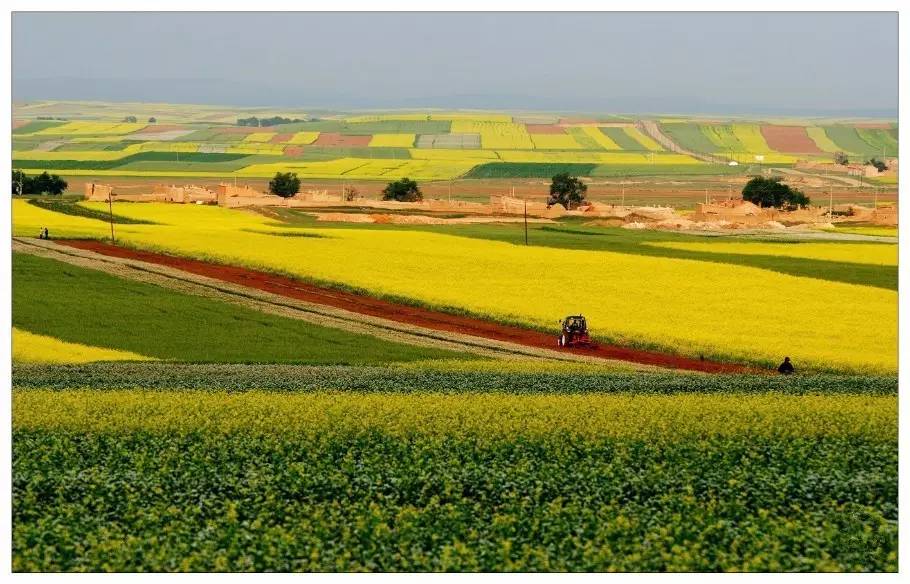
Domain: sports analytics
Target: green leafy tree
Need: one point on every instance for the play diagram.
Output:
(841, 158)
(772, 192)
(567, 190)
(130, 119)
(403, 189)
(878, 164)
(284, 184)
(42, 184)
(153, 120)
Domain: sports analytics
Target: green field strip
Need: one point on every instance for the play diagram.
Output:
(93, 308)
(528, 170)
(37, 126)
(397, 127)
(821, 139)
(723, 137)
(198, 157)
(614, 170)
(689, 136)
(623, 140)
(848, 140)
(883, 143)
(586, 141)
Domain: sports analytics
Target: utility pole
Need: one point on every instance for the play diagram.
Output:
(623, 183)
(526, 222)
(110, 210)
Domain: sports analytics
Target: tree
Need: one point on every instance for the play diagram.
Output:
(567, 190)
(771, 192)
(405, 190)
(130, 119)
(153, 120)
(878, 164)
(350, 193)
(841, 158)
(43, 184)
(19, 181)
(284, 184)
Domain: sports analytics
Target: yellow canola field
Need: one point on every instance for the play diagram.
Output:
(32, 348)
(260, 136)
(881, 254)
(596, 157)
(494, 135)
(642, 139)
(821, 139)
(484, 416)
(71, 128)
(364, 168)
(304, 138)
(751, 137)
(452, 154)
(555, 142)
(676, 306)
(393, 140)
(602, 139)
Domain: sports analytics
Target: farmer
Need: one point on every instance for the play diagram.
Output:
(786, 368)
(46, 234)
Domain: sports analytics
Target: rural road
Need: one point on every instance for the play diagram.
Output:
(334, 307)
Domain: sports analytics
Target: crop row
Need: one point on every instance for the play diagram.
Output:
(135, 481)
(473, 376)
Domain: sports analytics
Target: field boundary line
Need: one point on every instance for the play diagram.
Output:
(313, 313)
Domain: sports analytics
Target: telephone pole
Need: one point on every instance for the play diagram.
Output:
(526, 222)
(110, 210)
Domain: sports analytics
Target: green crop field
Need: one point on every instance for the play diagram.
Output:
(471, 481)
(92, 308)
(163, 420)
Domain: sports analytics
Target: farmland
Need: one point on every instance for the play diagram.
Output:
(283, 408)
(651, 316)
(618, 146)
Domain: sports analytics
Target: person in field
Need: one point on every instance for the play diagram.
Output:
(786, 368)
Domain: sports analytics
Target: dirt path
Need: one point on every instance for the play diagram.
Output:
(420, 318)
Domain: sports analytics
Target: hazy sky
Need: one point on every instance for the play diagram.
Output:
(695, 62)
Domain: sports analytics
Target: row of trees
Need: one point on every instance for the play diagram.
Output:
(42, 184)
(266, 122)
(568, 191)
(134, 119)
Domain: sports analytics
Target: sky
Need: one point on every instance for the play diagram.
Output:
(739, 63)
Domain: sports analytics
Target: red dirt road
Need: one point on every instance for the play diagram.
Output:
(421, 317)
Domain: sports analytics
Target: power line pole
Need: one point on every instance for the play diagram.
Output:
(526, 222)
(110, 210)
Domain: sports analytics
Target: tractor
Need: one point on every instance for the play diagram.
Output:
(574, 332)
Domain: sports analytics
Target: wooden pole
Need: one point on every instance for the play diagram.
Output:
(526, 222)
(110, 210)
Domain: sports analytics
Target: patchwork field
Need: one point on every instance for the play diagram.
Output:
(285, 394)
(97, 144)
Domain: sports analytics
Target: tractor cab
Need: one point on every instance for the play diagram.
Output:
(574, 332)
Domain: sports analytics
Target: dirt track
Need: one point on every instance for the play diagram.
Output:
(419, 317)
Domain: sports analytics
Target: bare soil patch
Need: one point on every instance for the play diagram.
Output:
(333, 139)
(789, 139)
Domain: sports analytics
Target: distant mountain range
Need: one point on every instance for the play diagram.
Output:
(224, 92)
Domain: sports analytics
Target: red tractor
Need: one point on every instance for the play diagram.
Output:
(574, 333)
